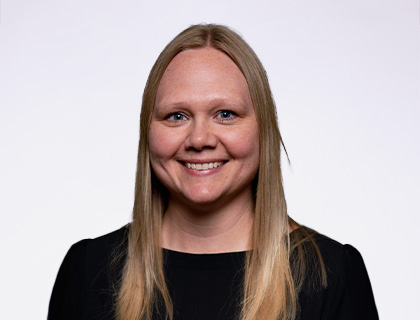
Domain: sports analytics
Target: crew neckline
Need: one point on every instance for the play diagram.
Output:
(203, 260)
(214, 254)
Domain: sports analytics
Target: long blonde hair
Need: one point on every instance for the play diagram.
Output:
(269, 290)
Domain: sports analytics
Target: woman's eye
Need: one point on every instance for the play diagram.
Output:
(225, 114)
(176, 117)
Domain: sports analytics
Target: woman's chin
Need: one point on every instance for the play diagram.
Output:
(202, 201)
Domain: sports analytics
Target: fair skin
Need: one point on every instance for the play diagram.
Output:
(204, 148)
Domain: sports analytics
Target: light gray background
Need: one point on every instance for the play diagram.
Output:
(346, 79)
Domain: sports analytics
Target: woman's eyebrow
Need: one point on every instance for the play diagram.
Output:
(215, 102)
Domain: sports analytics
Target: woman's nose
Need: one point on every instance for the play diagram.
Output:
(201, 136)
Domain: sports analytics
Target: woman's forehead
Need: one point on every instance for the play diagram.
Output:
(205, 73)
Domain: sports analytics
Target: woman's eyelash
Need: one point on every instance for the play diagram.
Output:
(226, 115)
(176, 116)
(223, 115)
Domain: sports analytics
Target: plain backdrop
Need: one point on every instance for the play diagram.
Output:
(346, 79)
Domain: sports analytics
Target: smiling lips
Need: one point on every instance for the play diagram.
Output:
(203, 166)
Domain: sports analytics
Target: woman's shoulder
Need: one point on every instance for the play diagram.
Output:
(86, 278)
(112, 240)
(109, 240)
(88, 253)
(96, 249)
(348, 292)
(335, 254)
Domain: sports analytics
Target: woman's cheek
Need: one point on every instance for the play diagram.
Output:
(241, 143)
(162, 142)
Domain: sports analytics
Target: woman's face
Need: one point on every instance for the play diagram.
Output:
(203, 136)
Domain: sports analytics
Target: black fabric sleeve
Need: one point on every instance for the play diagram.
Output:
(353, 296)
(88, 278)
(348, 295)
(359, 289)
(65, 302)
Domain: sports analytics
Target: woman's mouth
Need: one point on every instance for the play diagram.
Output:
(203, 166)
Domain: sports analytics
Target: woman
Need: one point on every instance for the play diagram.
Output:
(210, 236)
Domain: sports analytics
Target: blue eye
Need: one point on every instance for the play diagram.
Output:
(225, 114)
(177, 117)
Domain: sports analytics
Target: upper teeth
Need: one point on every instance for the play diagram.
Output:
(203, 166)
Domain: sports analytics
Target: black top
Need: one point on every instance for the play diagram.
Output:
(203, 286)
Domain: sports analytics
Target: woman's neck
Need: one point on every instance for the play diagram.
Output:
(225, 229)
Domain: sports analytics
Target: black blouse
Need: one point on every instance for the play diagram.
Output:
(203, 286)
